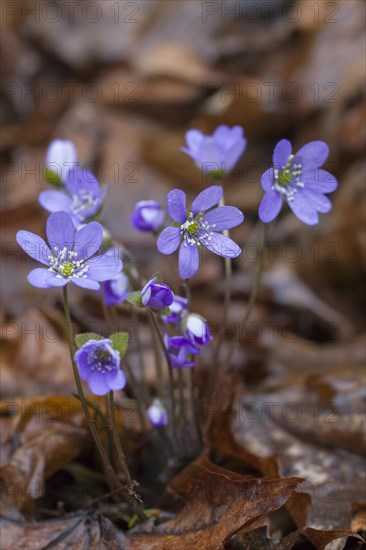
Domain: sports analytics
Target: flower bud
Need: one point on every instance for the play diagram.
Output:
(196, 329)
(157, 414)
(148, 216)
(60, 157)
(156, 296)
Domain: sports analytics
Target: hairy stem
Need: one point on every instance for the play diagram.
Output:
(193, 404)
(182, 402)
(140, 400)
(170, 372)
(122, 459)
(225, 314)
(254, 292)
(155, 337)
(91, 423)
(195, 417)
(142, 364)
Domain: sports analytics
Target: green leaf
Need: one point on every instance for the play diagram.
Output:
(83, 338)
(52, 178)
(119, 342)
(164, 311)
(135, 299)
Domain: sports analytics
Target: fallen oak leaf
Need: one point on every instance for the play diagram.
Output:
(218, 503)
(334, 477)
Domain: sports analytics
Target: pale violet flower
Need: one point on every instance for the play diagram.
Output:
(198, 226)
(70, 256)
(298, 180)
(217, 153)
(83, 198)
(99, 365)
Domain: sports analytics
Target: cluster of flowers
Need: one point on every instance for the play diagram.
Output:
(75, 237)
(174, 311)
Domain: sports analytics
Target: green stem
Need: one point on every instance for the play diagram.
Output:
(91, 423)
(138, 395)
(142, 365)
(107, 465)
(155, 337)
(170, 372)
(113, 325)
(253, 294)
(195, 417)
(227, 298)
(191, 375)
(188, 293)
(182, 402)
(136, 501)
(107, 316)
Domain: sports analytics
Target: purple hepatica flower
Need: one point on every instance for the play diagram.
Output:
(180, 350)
(157, 414)
(99, 365)
(70, 256)
(148, 216)
(197, 330)
(83, 200)
(156, 295)
(116, 290)
(218, 153)
(178, 308)
(298, 180)
(60, 157)
(195, 228)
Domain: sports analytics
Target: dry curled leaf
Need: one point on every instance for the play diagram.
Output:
(218, 502)
(72, 532)
(39, 438)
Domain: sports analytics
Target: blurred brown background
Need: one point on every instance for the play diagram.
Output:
(125, 80)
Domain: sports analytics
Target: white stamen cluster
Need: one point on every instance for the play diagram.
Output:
(101, 361)
(290, 175)
(82, 200)
(65, 264)
(195, 231)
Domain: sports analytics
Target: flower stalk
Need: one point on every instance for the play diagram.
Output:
(91, 422)
(136, 500)
(227, 299)
(254, 292)
(170, 372)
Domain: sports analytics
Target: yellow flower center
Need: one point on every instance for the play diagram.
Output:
(284, 178)
(193, 228)
(66, 269)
